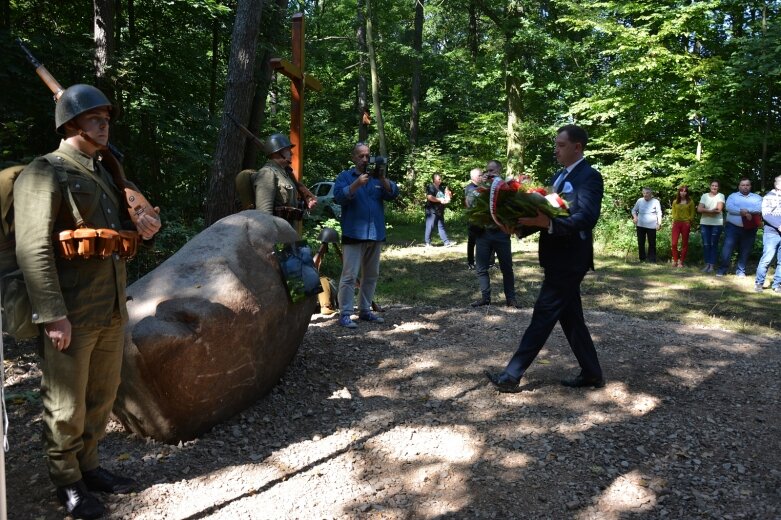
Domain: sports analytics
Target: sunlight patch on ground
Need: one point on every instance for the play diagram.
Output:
(453, 444)
(628, 494)
(693, 378)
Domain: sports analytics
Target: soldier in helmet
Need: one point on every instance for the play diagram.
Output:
(79, 303)
(276, 190)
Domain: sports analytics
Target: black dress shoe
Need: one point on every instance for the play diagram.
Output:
(503, 383)
(513, 304)
(79, 502)
(481, 303)
(100, 479)
(580, 381)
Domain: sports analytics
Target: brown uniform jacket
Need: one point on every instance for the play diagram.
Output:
(273, 188)
(87, 291)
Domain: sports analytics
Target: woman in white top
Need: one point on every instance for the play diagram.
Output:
(711, 223)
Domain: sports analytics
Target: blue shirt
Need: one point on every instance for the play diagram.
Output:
(737, 201)
(363, 212)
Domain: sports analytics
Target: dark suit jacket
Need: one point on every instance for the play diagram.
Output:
(570, 247)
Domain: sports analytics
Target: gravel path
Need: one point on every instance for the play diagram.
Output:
(396, 421)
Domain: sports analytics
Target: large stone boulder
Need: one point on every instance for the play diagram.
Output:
(211, 330)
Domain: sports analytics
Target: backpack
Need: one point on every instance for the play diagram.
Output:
(16, 308)
(16, 315)
(244, 189)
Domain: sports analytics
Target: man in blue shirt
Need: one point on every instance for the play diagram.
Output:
(743, 211)
(362, 195)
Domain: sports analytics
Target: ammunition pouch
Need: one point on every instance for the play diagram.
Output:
(288, 213)
(101, 242)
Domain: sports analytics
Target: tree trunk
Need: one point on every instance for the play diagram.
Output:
(375, 81)
(263, 75)
(104, 44)
(238, 100)
(472, 35)
(516, 145)
(5, 14)
(363, 103)
(417, 47)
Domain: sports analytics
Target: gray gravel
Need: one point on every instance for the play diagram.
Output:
(396, 421)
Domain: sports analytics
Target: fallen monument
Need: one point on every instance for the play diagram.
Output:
(211, 330)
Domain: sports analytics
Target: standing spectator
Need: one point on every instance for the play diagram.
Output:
(711, 208)
(647, 216)
(470, 192)
(437, 198)
(744, 210)
(362, 195)
(492, 239)
(683, 216)
(566, 253)
(78, 302)
(771, 238)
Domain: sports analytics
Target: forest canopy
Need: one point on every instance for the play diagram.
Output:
(671, 92)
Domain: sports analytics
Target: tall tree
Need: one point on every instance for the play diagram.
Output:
(417, 58)
(104, 44)
(238, 102)
(362, 96)
(375, 80)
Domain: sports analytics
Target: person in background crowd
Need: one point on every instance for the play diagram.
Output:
(711, 209)
(362, 195)
(744, 210)
(683, 216)
(437, 198)
(493, 240)
(771, 238)
(647, 216)
(470, 192)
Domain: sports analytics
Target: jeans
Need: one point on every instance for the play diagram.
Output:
(432, 219)
(710, 242)
(365, 257)
(490, 241)
(681, 230)
(744, 239)
(771, 245)
(642, 233)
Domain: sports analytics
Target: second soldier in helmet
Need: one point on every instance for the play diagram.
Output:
(276, 190)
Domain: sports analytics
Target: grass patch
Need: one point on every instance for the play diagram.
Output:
(438, 277)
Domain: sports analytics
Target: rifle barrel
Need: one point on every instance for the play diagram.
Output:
(42, 72)
(246, 131)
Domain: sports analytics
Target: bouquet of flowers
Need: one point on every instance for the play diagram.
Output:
(503, 203)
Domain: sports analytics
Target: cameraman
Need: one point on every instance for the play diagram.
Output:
(362, 191)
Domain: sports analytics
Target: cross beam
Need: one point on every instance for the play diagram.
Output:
(299, 82)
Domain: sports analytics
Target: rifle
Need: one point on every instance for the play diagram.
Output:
(136, 202)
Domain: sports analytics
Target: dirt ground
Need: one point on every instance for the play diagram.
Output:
(397, 421)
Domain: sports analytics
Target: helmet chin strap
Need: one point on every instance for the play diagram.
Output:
(93, 142)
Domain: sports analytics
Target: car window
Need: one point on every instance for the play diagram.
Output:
(323, 190)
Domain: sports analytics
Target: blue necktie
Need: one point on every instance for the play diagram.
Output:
(560, 180)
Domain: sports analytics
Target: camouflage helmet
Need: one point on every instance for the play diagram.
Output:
(328, 236)
(275, 143)
(78, 99)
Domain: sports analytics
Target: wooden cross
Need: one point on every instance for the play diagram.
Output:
(299, 81)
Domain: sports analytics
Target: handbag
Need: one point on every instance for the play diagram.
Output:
(752, 221)
(298, 270)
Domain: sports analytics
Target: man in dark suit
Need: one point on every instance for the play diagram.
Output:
(566, 253)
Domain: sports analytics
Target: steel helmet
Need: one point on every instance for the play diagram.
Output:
(328, 236)
(276, 142)
(78, 99)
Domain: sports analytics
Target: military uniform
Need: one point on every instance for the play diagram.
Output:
(79, 384)
(275, 188)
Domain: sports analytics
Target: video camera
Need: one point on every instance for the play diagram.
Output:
(377, 164)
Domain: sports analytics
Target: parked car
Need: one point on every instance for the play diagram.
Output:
(326, 207)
